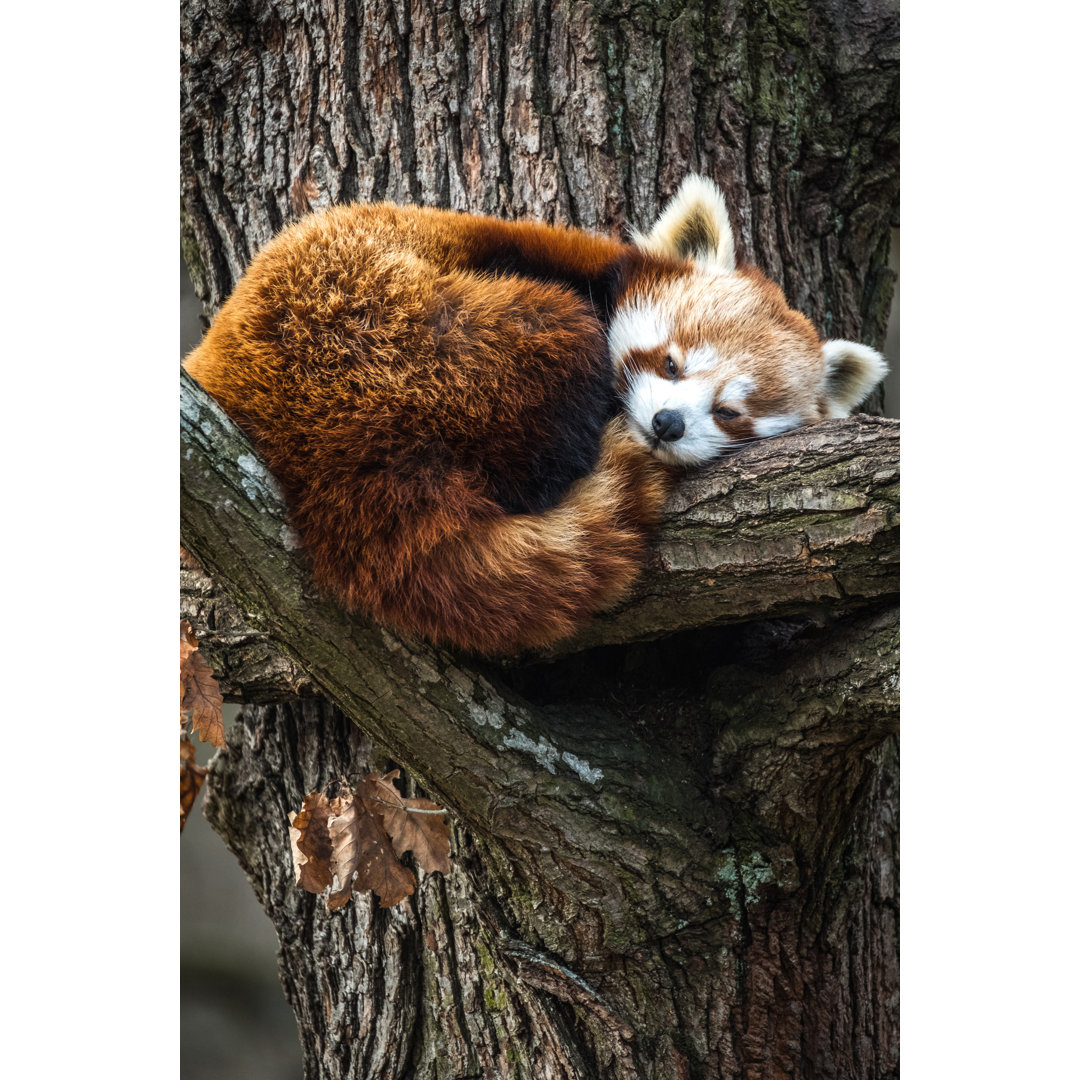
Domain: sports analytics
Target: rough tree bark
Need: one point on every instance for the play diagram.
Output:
(674, 841)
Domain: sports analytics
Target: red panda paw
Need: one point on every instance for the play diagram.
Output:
(631, 478)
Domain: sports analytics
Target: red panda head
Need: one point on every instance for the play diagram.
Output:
(709, 357)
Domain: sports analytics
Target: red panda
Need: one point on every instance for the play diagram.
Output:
(475, 422)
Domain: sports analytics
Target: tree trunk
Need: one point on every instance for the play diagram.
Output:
(674, 838)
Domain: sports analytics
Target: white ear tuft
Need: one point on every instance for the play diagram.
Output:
(851, 372)
(694, 225)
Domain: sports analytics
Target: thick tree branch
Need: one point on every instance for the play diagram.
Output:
(805, 522)
(799, 725)
(470, 739)
(248, 666)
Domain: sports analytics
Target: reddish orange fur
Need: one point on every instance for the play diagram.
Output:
(436, 394)
(393, 382)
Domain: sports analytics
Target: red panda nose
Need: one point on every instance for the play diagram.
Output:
(668, 425)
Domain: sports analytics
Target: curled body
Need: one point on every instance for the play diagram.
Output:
(475, 423)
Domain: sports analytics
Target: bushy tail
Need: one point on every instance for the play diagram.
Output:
(501, 583)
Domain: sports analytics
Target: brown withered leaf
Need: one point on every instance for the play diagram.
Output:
(348, 844)
(187, 749)
(381, 787)
(309, 835)
(414, 825)
(191, 779)
(425, 834)
(380, 792)
(364, 860)
(202, 699)
(188, 641)
(188, 644)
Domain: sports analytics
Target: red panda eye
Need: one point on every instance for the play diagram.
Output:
(672, 367)
(726, 414)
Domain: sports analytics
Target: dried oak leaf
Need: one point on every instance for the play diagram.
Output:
(188, 644)
(187, 560)
(191, 779)
(381, 789)
(309, 835)
(364, 860)
(188, 641)
(414, 825)
(202, 699)
(425, 834)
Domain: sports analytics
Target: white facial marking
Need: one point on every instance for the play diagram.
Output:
(637, 326)
(647, 394)
(742, 386)
(766, 426)
(701, 358)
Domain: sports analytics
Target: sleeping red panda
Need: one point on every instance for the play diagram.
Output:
(439, 396)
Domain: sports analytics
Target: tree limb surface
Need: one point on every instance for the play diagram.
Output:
(805, 522)
(645, 925)
(642, 818)
(474, 730)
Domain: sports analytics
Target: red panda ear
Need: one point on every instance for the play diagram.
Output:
(851, 372)
(694, 225)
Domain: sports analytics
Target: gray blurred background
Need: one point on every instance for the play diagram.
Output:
(234, 1021)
